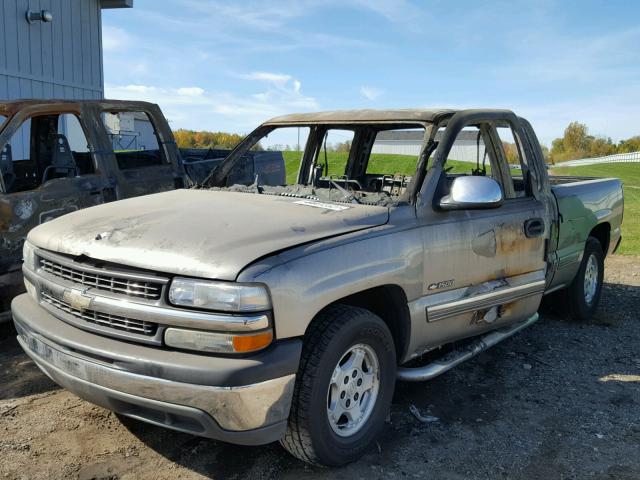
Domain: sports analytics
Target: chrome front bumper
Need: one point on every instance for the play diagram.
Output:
(250, 414)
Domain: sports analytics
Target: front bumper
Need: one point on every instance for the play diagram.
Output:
(244, 401)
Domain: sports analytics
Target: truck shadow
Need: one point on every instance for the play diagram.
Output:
(19, 376)
(209, 457)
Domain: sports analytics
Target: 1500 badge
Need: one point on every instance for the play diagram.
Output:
(439, 285)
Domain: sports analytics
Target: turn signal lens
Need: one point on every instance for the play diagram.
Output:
(251, 343)
(217, 342)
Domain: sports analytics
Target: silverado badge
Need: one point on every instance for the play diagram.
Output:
(76, 299)
(439, 285)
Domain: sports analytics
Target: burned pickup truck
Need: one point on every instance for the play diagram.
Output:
(61, 156)
(400, 245)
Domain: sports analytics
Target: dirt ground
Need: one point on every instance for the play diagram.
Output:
(559, 400)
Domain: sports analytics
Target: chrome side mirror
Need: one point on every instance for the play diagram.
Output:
(472, 192)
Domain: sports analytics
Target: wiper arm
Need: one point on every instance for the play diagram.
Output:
(345, 193)
(207, 180)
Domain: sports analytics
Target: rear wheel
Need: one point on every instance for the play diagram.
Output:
(344, 387)
(586, 288)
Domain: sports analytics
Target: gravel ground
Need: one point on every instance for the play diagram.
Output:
(559, 400)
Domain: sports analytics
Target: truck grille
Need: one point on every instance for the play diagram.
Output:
(108, 281)
(116, 322)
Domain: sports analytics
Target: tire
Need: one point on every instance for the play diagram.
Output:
(341, 333)
(584, 295)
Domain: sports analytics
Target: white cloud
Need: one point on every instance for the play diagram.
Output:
(370, 93)
(399, 12)
(190, 91)
(199, 109)
(115, 38)
(278, 79)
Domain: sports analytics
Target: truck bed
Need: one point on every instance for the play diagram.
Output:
(584, 203)
(564, 179)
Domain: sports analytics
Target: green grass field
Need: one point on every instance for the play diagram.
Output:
(629, 173)
(378, 163)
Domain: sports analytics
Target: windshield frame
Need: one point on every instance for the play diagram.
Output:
(313, 144)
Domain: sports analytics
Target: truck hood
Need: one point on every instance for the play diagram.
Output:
(203, 233)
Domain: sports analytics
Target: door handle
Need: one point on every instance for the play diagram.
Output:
(534, 227)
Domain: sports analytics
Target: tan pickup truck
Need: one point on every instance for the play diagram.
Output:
(252, 313)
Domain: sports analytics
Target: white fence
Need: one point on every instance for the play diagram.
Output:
(633, 157)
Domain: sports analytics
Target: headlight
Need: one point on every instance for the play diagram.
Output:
(216, 342)
(29, 255)
(221, 296)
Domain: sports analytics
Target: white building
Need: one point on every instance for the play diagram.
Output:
(409, 142)
(130, 131)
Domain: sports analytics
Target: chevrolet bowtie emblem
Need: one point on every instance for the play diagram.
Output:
(76, 299)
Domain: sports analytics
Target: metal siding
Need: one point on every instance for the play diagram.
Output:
(57, 63)
(61, 59)
(46, 44)
(10, 36)
(3, 47)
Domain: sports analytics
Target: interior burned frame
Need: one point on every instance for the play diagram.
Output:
(452, 121)
(359, 153)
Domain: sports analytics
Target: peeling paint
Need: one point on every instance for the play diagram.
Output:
(24, 209)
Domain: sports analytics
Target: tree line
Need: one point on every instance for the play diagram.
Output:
(577, 143)
(203, 139)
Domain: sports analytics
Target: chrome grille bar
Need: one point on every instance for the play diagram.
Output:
(106, 281)
(116, 322)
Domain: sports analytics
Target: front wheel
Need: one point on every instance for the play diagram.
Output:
(586, 288)
(344, 387)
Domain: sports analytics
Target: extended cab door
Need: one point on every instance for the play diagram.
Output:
(483, 268)
(146, 159)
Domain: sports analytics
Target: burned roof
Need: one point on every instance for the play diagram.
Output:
(10, 107)
(358, 116)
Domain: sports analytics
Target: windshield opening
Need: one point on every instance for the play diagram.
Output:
(355, 163)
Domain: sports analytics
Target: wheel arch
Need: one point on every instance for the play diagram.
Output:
(602, 233)
(389, 302)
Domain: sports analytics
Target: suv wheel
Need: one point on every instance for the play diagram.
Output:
(344, 387)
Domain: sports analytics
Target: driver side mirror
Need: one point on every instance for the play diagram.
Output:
(472, 192)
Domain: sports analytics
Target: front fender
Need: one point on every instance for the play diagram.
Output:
(303, 284)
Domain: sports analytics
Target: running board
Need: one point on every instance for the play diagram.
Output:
(450, 360)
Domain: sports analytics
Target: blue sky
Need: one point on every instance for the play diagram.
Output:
(230, 65)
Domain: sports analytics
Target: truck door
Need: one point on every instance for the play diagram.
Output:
(49, 169)
(483, 268)
(146, 159)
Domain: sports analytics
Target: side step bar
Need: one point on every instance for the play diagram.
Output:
(450, 360)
